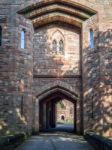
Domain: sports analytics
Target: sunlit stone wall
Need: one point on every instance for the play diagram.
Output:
(97, 77)
(16, 66)
(51, 63)
(15, 71)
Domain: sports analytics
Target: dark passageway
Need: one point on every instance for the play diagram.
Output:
(56, 115)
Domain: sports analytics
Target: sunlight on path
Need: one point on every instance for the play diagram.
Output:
(58, 141)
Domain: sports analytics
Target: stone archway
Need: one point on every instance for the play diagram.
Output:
(54, 85)
(47, 110)
(53, 93)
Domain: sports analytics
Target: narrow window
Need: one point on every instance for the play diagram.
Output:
(92, 39)
(21, 109)
(61, 46)
(92, 108)
(54, 45)
(23, 39)
(0, 36)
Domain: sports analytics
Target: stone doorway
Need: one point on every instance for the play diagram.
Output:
(48, 113)
(45, 110)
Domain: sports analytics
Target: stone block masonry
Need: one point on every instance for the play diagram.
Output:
(72, 65)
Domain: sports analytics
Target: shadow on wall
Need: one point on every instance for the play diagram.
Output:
(49, 65)
(49, 61)
(13, 119)
(16, 67)
(98, 85)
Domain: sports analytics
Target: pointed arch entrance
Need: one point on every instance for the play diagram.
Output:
(45, 107)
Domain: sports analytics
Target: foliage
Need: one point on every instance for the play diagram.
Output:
(62, 105)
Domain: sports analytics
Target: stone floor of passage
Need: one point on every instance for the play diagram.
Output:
(55, 141)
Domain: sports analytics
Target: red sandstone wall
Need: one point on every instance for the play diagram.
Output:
(16, 68)
(47, 61)
(15, 72)
(97, 86)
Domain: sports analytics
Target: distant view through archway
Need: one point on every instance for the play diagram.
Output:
(65, 115)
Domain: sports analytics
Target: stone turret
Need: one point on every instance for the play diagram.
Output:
(16, 73)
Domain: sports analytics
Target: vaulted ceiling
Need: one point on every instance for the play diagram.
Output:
(53, 11)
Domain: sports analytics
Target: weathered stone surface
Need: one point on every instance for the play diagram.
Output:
(26, 73)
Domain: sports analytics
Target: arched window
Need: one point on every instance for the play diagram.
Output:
(23, 39)
(61, 46)
(0, 36)
(92, 44)
(54, 45)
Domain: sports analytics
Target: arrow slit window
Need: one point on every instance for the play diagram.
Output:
(23, 36)
(92, 44)
(0, 36)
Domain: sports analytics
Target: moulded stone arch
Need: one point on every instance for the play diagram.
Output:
(59, 34)
(56, 90)
(57, 86)
(56, 17)
(49, 11)
(52, 89)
